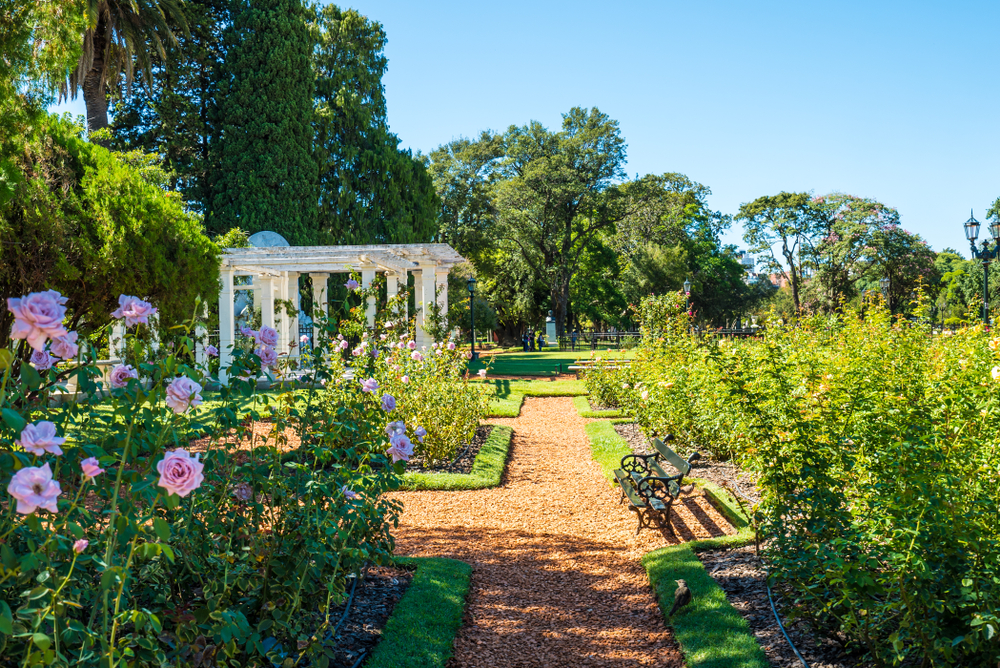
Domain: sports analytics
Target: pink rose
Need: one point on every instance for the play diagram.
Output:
(388, 403)
(211, 351)
(348, 493)
(370, 385)
(268, 336)
(41, 360)
(401, 448)
(343, 345)
(180, 473)
(80, 545)
(34, 488)
(65, 346)
(268, 355)
(182, 394)
(304, 339)
(40, 438)
(395, 428)
(420, 432)
(451, 345)
(122, 374)
(411, 345)
(91, 468)
(416, 357)
(405, 380)
(134, 310)
(482, 373)
(38, 317)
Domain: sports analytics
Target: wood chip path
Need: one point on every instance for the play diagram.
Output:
(557, 578)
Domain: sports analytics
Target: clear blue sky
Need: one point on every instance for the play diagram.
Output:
(892, 100)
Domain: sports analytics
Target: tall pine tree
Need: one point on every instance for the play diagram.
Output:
(266, 176)
(370, 190)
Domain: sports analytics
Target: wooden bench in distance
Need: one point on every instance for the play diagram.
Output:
(649, 489)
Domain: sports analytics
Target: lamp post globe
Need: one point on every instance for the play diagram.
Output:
(687, 287)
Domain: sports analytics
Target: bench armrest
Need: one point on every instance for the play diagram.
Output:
(637, 463)
(666, 492)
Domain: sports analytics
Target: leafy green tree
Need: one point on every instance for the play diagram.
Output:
(788, 220)
(370, 190)
(172, 117)
(953, 268)
(266, 178)
(120, 37)
(906, 260)
(93, 225)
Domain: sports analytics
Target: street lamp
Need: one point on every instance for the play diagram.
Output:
(471, 285)
(687, 288)
(985, 255)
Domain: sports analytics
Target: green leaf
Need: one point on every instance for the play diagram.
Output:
(14, 420)
(6, 619)
(31, 377)
(161, 528)
(6, 357)
(41, 640)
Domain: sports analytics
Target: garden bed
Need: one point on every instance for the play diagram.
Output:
(741, 575)
(462, 463)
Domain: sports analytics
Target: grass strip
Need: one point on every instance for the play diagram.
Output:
(582, 404)
(711, 633)
(507, 406)
(421, 631)
(487, 469)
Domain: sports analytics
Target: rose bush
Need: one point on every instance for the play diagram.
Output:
(874, 442)
(125, 540)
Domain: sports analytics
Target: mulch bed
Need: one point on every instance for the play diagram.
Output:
(374, 600)
(462, 463)
(741, 576)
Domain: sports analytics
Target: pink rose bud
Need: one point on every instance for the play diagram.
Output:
(268, 336)
(268, 355)
(65, 346)
(134, 310)
(38, 317)
(122, 374)
(182, 394)
(41, 360)
(40, 438)
(180, 473)
(80, 545)
(34, 488)
(247, 332)
(91, 468)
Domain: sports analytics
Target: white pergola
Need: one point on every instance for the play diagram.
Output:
(276, 272)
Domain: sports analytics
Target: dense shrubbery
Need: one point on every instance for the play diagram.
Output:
(119, 545)
(875, 446)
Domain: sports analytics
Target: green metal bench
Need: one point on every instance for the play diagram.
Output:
(649, 489)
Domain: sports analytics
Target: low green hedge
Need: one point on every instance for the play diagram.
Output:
(487, 469)
(421, 631)
(711, 633)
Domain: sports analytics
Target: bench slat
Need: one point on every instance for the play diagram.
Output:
(626, 485)
(675, 460)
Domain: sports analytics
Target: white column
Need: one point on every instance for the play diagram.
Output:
(226, 324)
(293, 326)
(423, 287)
(200, 339)
(267, 291)
(280, 315)
(441, 283)
(116, 341)
(367, 278)
(320, 300)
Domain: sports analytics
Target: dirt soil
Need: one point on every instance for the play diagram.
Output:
(463, 461)
(374, 600)
(557, 578)
(741, 576)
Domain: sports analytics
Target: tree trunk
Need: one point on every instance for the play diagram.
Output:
(95, 94)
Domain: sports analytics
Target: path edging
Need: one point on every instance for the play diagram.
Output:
(420, 633)
(487, 468)
(582, 404)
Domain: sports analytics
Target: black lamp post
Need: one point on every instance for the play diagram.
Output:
(471, 284)
(985, 255)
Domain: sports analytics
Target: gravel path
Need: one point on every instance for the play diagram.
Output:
(557, 577)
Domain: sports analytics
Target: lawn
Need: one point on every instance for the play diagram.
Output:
(510, 394)
(548, 363)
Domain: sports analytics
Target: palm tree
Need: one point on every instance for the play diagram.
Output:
(121, 36)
